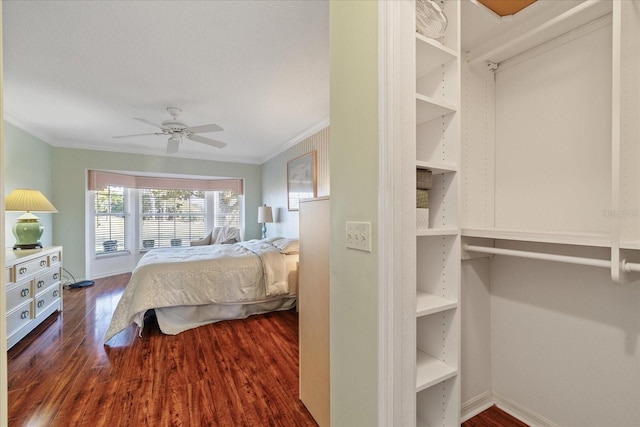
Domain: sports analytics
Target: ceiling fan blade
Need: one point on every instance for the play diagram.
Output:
(211, 142)
(205, 128)
(172, 146)
(149, 122)
(137, 134)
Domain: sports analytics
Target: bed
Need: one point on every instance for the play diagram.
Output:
(193, 286)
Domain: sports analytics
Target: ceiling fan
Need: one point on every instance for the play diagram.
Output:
(177, 129)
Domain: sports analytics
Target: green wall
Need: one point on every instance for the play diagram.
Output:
(69, 179)
(354, 197)
(27, 164)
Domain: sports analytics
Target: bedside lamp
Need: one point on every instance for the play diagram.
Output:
(264, 215)
(28, 228)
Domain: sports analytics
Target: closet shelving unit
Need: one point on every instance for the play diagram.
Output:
(606, 216)
(437, 285)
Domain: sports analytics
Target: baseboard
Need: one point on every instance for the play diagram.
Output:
(523, 414)
(483, 401)
(475, 405)
(110, 273)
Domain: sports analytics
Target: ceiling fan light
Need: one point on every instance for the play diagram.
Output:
(175, 139)
(172, 146)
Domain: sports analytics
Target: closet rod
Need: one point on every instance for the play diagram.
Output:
(488, 56)
(537, 255)
(630, 267)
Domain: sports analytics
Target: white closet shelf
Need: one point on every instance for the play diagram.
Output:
(431, 371)
(557, 237)
(428, 109)
(430, 55)
(436, 232)
(630, 244)
(436, 168)
(429, 304)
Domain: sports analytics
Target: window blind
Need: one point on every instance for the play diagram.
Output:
(110, 220)
(171, 217)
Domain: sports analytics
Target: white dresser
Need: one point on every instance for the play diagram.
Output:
(33, 289)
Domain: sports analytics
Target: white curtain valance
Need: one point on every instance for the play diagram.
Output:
(98, 180)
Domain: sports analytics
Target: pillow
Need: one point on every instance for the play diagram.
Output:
(287, 246)
(202, 242)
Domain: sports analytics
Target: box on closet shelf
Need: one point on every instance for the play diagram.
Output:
(422, 218)
(424, 179)
(422, 198)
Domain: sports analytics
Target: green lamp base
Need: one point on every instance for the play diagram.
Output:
(27, 231)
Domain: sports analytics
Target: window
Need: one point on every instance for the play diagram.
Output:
(129, 219)
(171, 217)
(227, 209)
(110, 220)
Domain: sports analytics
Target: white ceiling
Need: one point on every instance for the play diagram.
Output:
(76, 73)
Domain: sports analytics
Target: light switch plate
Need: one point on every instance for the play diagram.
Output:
(358, 235)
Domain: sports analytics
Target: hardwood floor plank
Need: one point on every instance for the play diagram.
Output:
(493, 417)
(234, 373)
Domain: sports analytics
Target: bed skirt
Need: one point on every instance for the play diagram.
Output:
(173, 320)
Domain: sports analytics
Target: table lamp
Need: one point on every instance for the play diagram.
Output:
(28, 228)
(264, 215)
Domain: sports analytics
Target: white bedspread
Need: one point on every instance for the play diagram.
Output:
(241, 272)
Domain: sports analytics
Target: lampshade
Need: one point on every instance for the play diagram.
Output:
(24, 199)
(28, 228)
(264, 215)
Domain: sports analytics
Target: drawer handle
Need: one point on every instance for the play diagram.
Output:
(22, 270)
(24, 314)
(55, 276)
(40, 283)
(43, 263)
(54, 258)
(56, 293)
(40, 303)
(24, 292)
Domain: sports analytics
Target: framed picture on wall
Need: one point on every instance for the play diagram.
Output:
(301, 179)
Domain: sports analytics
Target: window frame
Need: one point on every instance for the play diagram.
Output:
(139, 234)
(127, 217)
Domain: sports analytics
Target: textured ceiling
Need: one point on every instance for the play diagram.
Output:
(76, 73)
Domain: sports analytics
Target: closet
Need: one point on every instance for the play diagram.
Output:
(433, 148)
(528, 276)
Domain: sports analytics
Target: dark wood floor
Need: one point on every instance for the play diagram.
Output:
(236, 373)
(493, 417)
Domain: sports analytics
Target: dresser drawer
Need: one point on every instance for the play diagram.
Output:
(30, 267)
(7, 276)
(18, 295)
(44, 280)
(55, 257)
(45, 299)
(19, 318)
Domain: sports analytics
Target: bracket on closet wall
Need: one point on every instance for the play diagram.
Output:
(476, 241)
(623, 271)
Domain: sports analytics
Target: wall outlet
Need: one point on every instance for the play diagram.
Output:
(358, 235)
